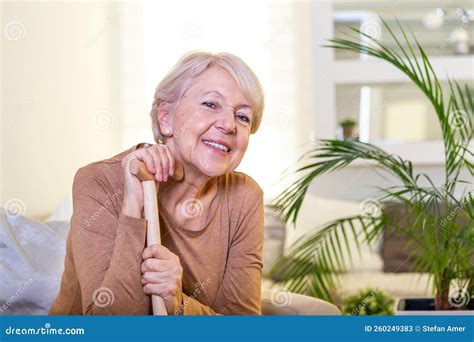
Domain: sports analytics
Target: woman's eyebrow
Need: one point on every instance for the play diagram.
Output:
(239, 106)
(215, 92)
(244, 106)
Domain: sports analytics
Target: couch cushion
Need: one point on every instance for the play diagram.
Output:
(32, 254)
(317, 211)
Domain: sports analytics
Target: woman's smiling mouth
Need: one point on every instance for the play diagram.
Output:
(217, 145)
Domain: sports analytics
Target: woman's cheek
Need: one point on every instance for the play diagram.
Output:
(242, 145)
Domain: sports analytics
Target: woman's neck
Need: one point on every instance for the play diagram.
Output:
(186, 188)
(193, 185)
(195, 194)
(189, 202)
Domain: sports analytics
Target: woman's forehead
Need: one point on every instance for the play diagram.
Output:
(214, 92)
(217, 79)
(225, 88)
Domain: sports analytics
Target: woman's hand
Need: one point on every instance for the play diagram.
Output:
(159, 162)
(162, 275)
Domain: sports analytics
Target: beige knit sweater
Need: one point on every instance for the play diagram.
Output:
(222, 262)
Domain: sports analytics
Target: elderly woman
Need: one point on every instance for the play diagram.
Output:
(210, 260)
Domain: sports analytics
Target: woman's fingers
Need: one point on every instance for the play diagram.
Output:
(152, 265)
(161, 151)
(158, 164)
(162, 290)
(157, 265)
(171, 161)
(158, 161)
(145, 156)
(162, 275)
(163, 160)
(159, 252)
(155, 277)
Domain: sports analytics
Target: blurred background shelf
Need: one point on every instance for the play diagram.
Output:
(389, 110)
(373, 70)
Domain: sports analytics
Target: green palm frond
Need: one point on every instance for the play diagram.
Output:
(312, 264)
(333, 155)
(461, 119)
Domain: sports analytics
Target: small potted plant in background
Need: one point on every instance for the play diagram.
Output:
(369, 302)
(349, 131)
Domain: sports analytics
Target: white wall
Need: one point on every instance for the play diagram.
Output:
(59, 108)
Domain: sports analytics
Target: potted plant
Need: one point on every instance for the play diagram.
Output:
(348, 129)
(369, 302)
(442, 246)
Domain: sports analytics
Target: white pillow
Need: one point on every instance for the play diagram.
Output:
(316, 212)
(32, 255)
(63, 211)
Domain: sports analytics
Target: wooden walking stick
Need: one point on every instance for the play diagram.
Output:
(150, 203)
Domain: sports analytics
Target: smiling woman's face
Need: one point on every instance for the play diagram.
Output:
(211, 124)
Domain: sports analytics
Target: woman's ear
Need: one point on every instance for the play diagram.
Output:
(164, 118)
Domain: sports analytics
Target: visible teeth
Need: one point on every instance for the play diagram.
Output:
(219, 146)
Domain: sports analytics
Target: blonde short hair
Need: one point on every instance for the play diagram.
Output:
(179, 79)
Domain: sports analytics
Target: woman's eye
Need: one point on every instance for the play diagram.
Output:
(244, 118)
(209, 104)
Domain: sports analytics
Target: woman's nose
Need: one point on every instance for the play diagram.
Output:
(226, 122)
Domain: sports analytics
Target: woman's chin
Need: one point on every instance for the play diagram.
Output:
(214, 169)
(214, 172)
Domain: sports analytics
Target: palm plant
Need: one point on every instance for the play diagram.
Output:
(442, 246)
